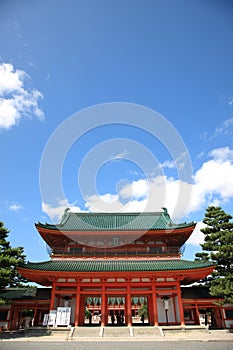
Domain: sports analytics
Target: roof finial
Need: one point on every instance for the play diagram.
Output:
(64, 216)
(165, 212)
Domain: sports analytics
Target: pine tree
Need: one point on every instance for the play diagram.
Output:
(218, 247)
(143, 311)
(9, 260)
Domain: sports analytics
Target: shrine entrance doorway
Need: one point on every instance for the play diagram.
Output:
(116, 311)
(140, 310)
(92, 311)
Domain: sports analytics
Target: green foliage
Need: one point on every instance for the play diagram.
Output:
(143, 311)
(87, 312)
(9, 260)
(218, 247)
(2, 302)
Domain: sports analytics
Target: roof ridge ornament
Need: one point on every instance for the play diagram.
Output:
(65, 216)
(165, 211)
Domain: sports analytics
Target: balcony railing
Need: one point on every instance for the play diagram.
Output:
(152, 252)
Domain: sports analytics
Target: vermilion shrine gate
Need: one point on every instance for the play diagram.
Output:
(114, 264)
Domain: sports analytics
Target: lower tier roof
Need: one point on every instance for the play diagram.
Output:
(45, 272)
(115, 265)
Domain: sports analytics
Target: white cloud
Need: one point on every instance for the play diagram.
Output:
(15, 100)
(168, 164)
(119, 156)
(55, 212)
(230, 101)
(224, 129)
(103, 203)
(11, 81)
(15, 207)
(197, 237)
(145, 195)
(213, 181)
(224, 153)
(212, 185)
(136, 189)
(109, 198)
(135, 206)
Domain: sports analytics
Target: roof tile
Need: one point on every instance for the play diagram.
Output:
(115, 265)
(114, 221)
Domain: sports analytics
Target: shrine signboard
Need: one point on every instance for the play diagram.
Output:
(63, 316)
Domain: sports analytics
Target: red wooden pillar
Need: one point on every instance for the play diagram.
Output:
(223, 322)
(52, 297)
(197, 318)
(154, 303)
(128, 306)
(174, 308)
(77, 306)
(14, 317)
(35, 313)
(182, 322)
(150, 310)
(103, 306)
(81, 310)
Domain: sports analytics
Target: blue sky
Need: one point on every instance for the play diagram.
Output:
(58, 58)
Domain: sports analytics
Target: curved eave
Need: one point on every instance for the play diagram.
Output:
(183, 233)
(59, 228)
(47, 276)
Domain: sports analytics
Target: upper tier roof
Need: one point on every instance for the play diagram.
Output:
(115, 221)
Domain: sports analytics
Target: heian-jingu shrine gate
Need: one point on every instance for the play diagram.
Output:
(114, 264)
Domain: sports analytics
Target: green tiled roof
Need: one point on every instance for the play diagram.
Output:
(196, 292)
(18, 293)
(26, 293)
(114, 221)
(115, 265)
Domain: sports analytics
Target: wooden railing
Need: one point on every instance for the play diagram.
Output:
(92, 252)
